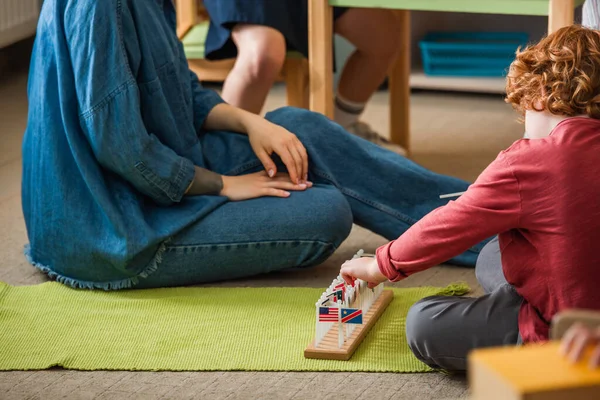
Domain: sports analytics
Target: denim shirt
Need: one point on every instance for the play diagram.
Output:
(111, 142)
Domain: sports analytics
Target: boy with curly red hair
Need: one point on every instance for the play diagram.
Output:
(541, 197)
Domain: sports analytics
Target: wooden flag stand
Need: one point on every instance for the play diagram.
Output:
(328, 348)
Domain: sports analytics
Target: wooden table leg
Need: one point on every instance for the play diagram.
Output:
(399, 87)
(560, 13)
(320, 56)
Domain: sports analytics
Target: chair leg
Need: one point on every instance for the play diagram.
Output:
(399, 87)
(186, 16)
(320, 56)
(560, 14)
(295, 71)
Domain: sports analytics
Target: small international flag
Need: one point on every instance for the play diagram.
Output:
(338, 295)
(340, 286)
(352, 316)
(328, 314)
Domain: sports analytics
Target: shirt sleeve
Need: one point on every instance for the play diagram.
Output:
(204, 100)
(109, 102)
(490, 206)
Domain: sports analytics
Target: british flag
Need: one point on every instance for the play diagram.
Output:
(328, 314)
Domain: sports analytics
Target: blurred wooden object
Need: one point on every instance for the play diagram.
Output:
(320, 38)
(399, 86)
(192, 27)
(563, 321)
(536, 372)
(532, 372)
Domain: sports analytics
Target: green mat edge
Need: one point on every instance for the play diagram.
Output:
(453, 289)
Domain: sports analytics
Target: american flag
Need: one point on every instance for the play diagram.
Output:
(328, 314)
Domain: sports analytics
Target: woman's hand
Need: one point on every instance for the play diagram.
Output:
(364, 268)
(577, 339)
(258, 184)
(267, 138)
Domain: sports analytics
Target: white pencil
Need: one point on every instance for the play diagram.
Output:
(457, 194)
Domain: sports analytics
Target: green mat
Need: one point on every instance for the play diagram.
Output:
(191, 329)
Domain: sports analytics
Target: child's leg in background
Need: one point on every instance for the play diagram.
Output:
(372, 32)
(489, 267)
(441, 330)
(261, 54)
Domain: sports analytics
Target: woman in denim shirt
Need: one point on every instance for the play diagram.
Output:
(134, 175)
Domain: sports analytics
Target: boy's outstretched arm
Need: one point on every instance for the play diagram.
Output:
(491, 205)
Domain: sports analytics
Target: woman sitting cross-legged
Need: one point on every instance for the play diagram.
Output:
(136, 176)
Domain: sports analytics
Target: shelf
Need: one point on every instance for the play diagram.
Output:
(418, 80)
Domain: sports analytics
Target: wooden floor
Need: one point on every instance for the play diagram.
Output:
(452, 134)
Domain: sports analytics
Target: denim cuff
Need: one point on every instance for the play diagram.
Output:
(169, 191)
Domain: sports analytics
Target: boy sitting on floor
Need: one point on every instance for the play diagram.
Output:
(541, 197)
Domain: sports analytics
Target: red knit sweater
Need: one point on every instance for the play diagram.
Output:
(542, 198)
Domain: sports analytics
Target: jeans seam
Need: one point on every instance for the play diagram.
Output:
(207, 245)
(401, 217)
(381, 208)
(373, 204)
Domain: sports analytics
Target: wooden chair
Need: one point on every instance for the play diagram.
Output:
(320, 21)
(192, 27)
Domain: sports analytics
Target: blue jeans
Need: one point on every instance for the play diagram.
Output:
(355, 181)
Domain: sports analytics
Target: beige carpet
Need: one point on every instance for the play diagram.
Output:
(452, 134)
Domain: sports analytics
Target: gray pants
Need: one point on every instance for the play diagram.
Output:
(441, 330)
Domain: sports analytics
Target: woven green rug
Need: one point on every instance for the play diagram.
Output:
(191, 329)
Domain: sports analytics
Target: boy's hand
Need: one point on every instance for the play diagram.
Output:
(364, 268)
(576, 341)
(258, 184)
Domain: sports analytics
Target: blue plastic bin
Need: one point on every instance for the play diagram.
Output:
(470, 53)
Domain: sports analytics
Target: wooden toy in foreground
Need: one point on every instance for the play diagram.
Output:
(531, 372)
(344, 316)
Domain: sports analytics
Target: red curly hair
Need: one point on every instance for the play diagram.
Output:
(560, 74)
